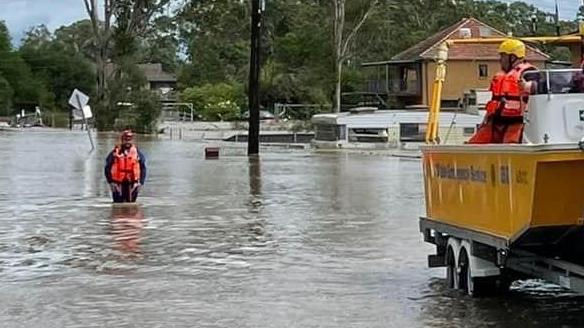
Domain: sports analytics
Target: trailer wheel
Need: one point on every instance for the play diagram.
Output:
(451, 269)
(464, 274)
(479, 286)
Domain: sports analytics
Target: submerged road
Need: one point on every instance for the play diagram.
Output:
(296, 239)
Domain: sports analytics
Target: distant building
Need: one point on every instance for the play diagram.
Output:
(157, 80)
(408, 76)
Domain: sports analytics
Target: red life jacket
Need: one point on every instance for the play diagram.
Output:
(126, 166)
(508, 96)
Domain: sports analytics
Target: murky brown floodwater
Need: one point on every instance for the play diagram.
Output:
(296, 240)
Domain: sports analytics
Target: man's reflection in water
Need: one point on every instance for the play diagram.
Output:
(126, 229)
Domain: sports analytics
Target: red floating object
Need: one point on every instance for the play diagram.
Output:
(212, 152)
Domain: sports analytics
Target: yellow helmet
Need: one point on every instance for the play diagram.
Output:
(512, 47)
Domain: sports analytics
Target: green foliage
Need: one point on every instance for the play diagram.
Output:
(221, 101)
(57, 66)
(413, 21)
(27, 91)
(5, 45)
(147, 106)
(77, 38)
(56, 119)
(160, 44)
(6, 94)
(140, 112)
(125, 88)
(297, 52)
(216, 34)
(560, 54)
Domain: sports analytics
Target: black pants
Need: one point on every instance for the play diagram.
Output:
(126, 195)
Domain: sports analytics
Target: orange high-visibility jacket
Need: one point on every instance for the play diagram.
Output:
(508, 96)
(126, 165)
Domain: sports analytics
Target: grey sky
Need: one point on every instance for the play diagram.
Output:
(20, 15)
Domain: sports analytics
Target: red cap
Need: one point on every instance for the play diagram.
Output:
(127, 135)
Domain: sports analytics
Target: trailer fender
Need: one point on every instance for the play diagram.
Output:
(454, 244)
(478, 266)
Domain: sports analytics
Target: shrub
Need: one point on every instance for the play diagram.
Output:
(221, 101)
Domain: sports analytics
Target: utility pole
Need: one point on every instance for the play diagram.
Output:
(557, 19)
(253, 139)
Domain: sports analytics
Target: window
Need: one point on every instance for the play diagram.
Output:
(341, 132)
(412, 132)
(368, 135)
(468, 131)
(326, 132)
(483, 71)
(556, 81)
(485, 31)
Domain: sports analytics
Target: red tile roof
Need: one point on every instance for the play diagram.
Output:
(427, 48)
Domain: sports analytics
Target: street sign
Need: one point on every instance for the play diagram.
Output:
(78, 99)
(87, 112)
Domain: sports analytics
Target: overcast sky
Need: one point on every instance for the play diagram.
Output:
(20, 15)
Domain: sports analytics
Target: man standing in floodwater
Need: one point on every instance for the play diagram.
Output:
(125, 169)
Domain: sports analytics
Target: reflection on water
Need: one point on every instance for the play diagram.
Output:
(529, 304)
(289, 239)
(255, 177)
(126, 227)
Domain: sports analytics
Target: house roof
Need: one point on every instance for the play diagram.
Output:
(427, 48)
(154, 73)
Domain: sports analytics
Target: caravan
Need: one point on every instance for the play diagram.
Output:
(369, 128)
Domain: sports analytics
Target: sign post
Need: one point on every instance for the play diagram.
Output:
(80, 101)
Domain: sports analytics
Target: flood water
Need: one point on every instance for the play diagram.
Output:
(296, 239)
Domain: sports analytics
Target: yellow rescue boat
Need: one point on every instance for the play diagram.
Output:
(498, 212)
(508, 191)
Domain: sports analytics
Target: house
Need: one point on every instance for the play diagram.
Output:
(408, 76)
(157, 79)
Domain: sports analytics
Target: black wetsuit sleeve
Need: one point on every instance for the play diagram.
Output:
(142, 167)
(109, 161)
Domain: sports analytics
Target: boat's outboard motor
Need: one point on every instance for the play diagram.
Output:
(555, 112)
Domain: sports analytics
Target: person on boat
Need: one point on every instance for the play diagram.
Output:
(125, 169)
(503, 121)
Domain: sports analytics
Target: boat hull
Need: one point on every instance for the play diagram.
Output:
(521, 193)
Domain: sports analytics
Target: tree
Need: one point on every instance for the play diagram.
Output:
(299, 67)
(59, 67)
(6, 94)
(18, 82)
(161, 44)
(78, 38)
(216, 36)
(221, 101)
(101, 30)
(119, 41)
(343, 39)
